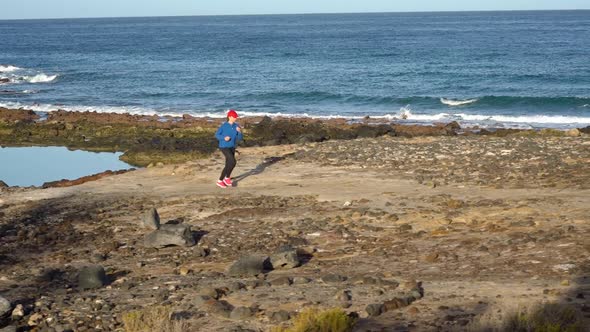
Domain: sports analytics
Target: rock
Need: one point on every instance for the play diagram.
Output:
(3, 184)
(282, 281)
(9, 329)
(395, 303)
(210, 292)
(35, 319)
(375, 309)
(151, 219)
(343, 296)
(585, 130)
(285, 257)
(217, 308)
(200, 300)
(301, 280)
(236, 286)
(241, 313)
(573, 132)
(18, 313)
(170, 235)
(92, 277)
(4, 307)
(333, 278)
(250, 265)
(280, 316)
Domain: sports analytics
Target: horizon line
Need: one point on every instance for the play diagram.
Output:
(287, 14)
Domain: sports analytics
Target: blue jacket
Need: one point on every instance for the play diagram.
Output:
(227, 129)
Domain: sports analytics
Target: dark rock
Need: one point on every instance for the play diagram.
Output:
(151, 219)
(285, 257)
(375, 309)
(250, 265)
(585, 130)
(280, 316)
(3, 184)
(92, 277)
(241, 313)
(170, 235)
(366, 131)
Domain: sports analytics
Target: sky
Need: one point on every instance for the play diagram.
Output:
(25, 9)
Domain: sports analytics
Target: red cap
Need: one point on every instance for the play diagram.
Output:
(232, 113)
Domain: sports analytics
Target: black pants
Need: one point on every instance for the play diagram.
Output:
(230, 162)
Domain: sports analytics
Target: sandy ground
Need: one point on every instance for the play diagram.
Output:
(480, 251)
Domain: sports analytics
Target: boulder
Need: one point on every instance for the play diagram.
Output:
(170, 235)
(375, 309)
(3, 184)
(92, 277)
(573, 132)
(585, 130)
(250, 265)
(5, 307)
(285, 257)
(151, 219)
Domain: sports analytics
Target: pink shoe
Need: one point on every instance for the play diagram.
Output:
(227, 182)
(221, 184)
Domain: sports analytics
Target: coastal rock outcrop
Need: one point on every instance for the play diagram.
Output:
(286, 257)
(170, 235)
(92, 277)
(151, 219)
(250, 265)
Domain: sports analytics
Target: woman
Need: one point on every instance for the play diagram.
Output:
(228, 135)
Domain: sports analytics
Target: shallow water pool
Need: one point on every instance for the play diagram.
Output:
(33, 166)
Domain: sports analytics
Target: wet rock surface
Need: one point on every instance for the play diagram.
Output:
(404, 254)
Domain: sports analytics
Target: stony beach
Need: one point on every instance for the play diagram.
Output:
(425, 229)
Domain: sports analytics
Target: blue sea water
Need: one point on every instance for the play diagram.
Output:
(495, 69)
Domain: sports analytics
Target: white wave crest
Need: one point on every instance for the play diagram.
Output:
(39, 78)
(452, 102)
(405, 115)
(8, 68)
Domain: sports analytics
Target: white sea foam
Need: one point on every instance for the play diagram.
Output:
(39, 78)
(452, 102)
(405, 114)
(8, 68)
(525, 119)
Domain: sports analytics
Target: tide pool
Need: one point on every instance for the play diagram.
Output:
(33, 166)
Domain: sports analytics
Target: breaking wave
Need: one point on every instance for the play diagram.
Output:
(39, 78)
(8, 68)
(452, 102)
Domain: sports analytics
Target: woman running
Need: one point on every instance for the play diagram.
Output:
(228, 135)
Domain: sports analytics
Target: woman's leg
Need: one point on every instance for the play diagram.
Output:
(233, 162)
(230, 162)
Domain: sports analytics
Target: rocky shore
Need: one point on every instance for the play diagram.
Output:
(152, 139)
(445, 231)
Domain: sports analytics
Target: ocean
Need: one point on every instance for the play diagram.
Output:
(525, 69)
